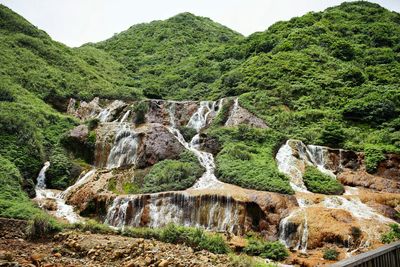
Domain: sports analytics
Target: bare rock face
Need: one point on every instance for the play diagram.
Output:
(157, 144)
(159, 111)
(209, 144)
(83, 110)
(390, 167)
(239, 115)
(364, 179)
(88, 110)
(79, 133)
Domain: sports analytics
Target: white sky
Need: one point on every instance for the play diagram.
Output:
(75, 22)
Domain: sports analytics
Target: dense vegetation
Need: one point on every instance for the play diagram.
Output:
(318, 182)
(165, 175)
(247, 158)
(167, 59)
(169, 175)
(14, 202)
(328, 78)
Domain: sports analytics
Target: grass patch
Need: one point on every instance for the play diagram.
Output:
(392, 235)
(41, 226)
(272, 250)
(196, 238)
(14, 203)
(94, 227)
(317, 182)
(243, 260)
(331, 254)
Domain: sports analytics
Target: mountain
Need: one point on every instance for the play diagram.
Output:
(168, 59)
(328, 78)
(288, 109)
(37, 78)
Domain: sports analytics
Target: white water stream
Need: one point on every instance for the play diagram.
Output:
(63, 210)
(292, 159)
(198, 121)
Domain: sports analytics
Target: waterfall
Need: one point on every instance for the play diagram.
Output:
(126, 115)
(289, 232)
(292, 166)
(63, 210)
(41, 179)
(234, 111)
(293, 158)
(217, 213)
(82, 180)
(198, 119)
(125, 146)
(318, 156)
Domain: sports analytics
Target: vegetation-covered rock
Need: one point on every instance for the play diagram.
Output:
(318, 182)
(247, 158)
(169, 175)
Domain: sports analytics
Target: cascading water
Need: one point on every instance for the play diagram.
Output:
(292, 159)
(199, 119)
(234, 110)
(41, 179)
(289, 232)
(123, 152)
(217, 213)
(63, 210)
(77, 184)
(197, 122)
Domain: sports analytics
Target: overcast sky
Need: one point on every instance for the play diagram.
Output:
(75, 22)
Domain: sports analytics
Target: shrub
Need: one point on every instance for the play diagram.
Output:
(243, 260)
(272, 250)
(331, 254)
(92, 123)
(94, 227)
(169, 175)
(332, 135)
(392, 235)
(343, 50)
(187, 132)
(41, 226)
(59, 173)
(356, 232)
(317, 182)
(140, 110)
(144, 232)
(374, 108)
(194, 237)
(373, 155)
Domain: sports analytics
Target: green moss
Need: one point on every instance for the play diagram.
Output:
(317, 182)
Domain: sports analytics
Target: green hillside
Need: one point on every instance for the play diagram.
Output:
(329, 78)
(37, 77)
(168, 59)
